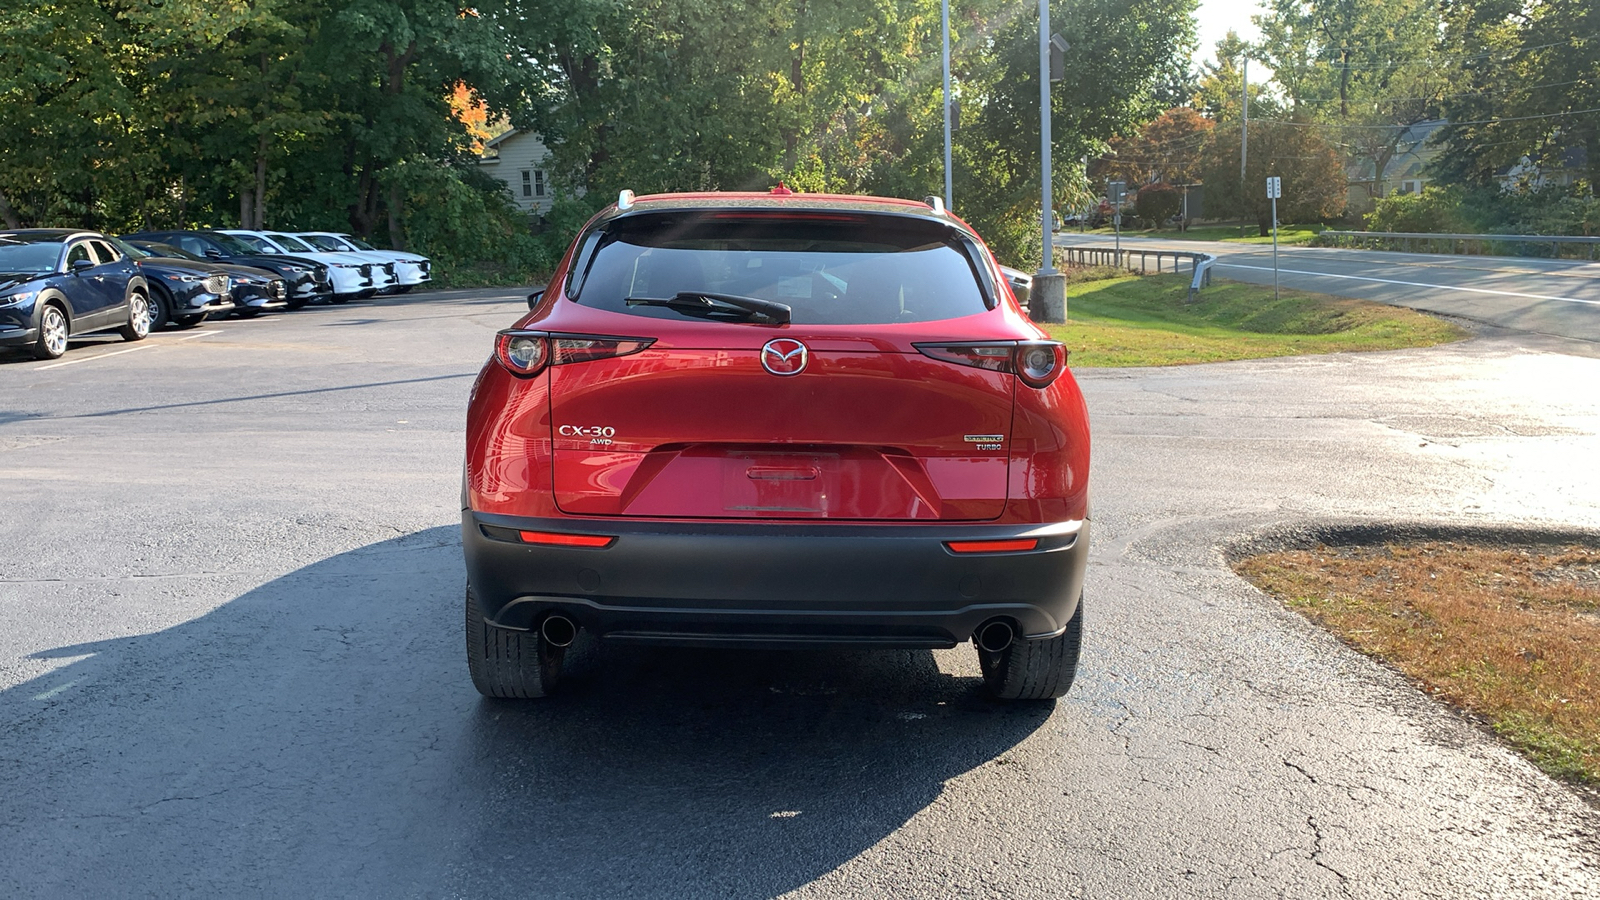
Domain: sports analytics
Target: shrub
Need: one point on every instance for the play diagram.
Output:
(1434, 211)
(1156, 203)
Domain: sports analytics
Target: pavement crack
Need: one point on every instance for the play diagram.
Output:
(1316, 851)
(1301, 769)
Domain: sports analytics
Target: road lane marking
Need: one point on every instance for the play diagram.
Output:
(73, 362)
(1421, 284)
(200, 334)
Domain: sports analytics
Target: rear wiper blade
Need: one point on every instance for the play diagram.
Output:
(720, 306)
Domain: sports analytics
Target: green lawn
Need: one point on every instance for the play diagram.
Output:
(1288, 235)
(1136, 320)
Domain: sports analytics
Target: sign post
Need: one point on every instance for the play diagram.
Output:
(1115, 191)
(1274, 191)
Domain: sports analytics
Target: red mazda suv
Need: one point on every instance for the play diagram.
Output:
(783, 419)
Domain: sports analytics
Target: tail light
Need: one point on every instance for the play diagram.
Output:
(526, 353)
(1036, 363)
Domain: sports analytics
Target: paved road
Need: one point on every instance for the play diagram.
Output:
(1560, 298)
(231, 663)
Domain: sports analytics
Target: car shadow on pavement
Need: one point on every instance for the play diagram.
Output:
(318, 734)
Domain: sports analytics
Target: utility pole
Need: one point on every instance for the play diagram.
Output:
(1047, 265)
(1048, 299)
(949, 181)
(1244, 125)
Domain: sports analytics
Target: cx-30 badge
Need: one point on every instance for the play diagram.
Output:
(784, 356)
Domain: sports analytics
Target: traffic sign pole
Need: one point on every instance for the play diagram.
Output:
(1115, 191)
(1274, 191)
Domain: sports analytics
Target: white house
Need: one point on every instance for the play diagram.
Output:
(521, 161)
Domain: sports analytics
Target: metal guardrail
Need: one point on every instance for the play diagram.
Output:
(1468, 244)
(1199, 263)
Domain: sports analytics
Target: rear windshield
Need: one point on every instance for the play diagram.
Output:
(830, 270)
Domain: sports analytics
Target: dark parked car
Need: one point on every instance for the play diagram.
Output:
(56, 282)
(306, 280)
(776, 420)
(182, 292)
(253, 291)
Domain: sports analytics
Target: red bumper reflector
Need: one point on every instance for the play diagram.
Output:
(555, 539)
(1012, 546)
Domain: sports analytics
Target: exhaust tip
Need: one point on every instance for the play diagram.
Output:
(994, 635)
(558, 630)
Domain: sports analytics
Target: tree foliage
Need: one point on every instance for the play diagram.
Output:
(355, 114)
(1312, 170)
(1528, 89)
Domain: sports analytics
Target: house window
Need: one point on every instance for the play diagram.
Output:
(527, 182)
(538, 182)
(1410, 187)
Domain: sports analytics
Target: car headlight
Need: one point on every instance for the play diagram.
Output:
(18, 298)
(186, 279)
(347, 265)
(297, 270)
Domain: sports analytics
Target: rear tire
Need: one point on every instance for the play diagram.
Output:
(518, 665)
(138, 327)
(300, 303)
(1035, 670)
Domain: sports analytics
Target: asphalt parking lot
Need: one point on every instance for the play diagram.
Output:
(231, 663)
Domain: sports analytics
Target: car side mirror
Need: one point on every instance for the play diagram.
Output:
(81, 265)
(534, 298)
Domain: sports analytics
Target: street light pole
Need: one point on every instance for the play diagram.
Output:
(949, 181)
(1047, 300)
(1047, 264)
(1244, 128)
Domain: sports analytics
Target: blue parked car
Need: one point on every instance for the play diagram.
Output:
(182, 293)
(56, 283)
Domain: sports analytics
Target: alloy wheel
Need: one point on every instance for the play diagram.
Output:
(139, 314)
(54, 327)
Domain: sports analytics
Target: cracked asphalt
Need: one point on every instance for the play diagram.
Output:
(231, 661)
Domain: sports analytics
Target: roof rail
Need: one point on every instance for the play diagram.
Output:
(625, 200)
(936, 203)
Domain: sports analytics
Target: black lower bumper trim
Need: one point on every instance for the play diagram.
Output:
(714, 584)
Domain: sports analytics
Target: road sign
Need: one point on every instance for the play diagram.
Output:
(1116, 190)
(1274, 191)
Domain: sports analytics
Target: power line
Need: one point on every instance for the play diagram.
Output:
(1446, 122)
(1531, 87)
(1485, 54)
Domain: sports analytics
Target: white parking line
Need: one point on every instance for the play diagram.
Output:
(1421, 284)
(84, 359)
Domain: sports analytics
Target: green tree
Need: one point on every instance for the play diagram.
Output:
(1369, 71)
(1529, 88)
(1312, 170)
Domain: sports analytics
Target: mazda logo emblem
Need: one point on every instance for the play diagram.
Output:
(784, 356)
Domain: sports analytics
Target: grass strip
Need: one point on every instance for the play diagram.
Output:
(1510, 634)
(1132, 320)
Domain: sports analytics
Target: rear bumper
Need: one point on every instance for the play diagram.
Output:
(701, 583)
